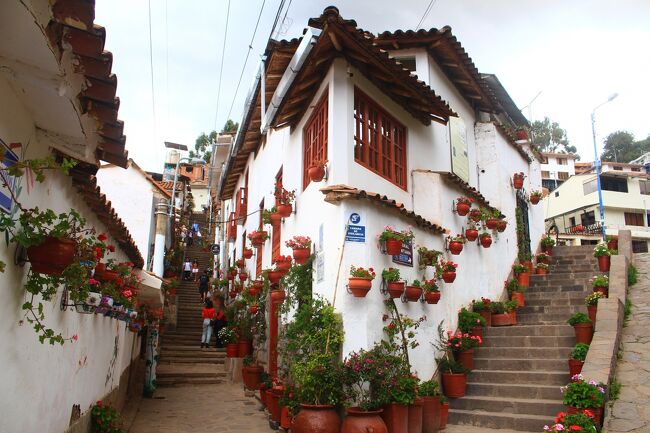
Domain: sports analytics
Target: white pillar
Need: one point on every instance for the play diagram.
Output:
(159, 242)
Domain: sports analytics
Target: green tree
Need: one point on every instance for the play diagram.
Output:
(621, 147)
(548, 136)
(203, 144)
(230, 127)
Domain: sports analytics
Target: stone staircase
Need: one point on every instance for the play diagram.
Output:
(519, 370)
(182, 361)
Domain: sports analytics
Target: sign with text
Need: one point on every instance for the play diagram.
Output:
(356, 232)
(7, 183)
(405, 257)
(458, 144)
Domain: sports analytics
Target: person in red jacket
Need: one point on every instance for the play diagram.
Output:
(220, 320)
(208, 314)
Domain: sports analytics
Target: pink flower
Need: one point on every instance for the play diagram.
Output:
(75, 337)
(93, 282)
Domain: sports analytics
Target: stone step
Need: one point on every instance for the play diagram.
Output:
(499, 420)
(188, 348)
(558, 378)
(523, 352)
(521, 406)
(554, 301)
(560, 330)
(556, 288)
(528, 341)
(190, 374)
(542, 309)
(198, 354)
(560, 275)
(521, 364)
(182, 360)
(186, 381)
(532, 294)
(543, 318)
(515, 391)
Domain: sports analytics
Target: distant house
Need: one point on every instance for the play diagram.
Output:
(557, 168)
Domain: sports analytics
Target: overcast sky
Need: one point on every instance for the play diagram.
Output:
(576, 53)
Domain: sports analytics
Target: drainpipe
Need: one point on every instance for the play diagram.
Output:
(159, 241)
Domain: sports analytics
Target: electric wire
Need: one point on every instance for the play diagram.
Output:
(277, 17)
(153, 93)
(426, 13)
(283, 19)
(223, 56)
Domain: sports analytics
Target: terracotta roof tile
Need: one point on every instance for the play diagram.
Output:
(336, 193)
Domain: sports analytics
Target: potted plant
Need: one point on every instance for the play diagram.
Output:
(475, 215)
(577, 358)
(400, 408)
(258, 237)
(565, 422)
(243, 274)
(462, 346)
(521, 273)
(580, 395)
(431, 291)
(228, 336)
(535, 197)
(316, 170)
(471, 232)
(251, 373)
(500, 314)
(427, 257)
(301, 246)
(413, 292)
(456, 244)
(482, 307)
(105, 419)
(612, 242)
(521, 133)
(471, 322)
(454, 379)
(491, 217)
(582, 326)
(284, 201)
(360, 281)
(547, 243)
(463, 205)
(602, 253)
(444, 412)
(282, 263)
(394, 286)
(518, 180)
(448, 271)
(429, 392)
(271, 217)
(516, 291)
(543, 257)
(600, 284)
(591, 301)
(240, 263)
(393, 239)
(501, 225)
(485, 239)
(541, 269)
(247, 253)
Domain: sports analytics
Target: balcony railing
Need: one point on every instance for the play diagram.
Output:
(581, 229)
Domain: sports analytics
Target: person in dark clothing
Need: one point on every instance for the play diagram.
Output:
(204, 286)
(219, 321)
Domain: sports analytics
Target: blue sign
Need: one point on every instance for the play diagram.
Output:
(356, 233)
(10, 158)
(405, 256)
(355, 218)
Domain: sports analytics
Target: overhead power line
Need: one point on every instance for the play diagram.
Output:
(432, 3)
(153, 93)
(223, 56)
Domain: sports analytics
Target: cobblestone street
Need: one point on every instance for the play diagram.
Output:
(631, 412)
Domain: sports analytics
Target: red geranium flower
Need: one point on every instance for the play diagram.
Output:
(102, 237)
(111, 248)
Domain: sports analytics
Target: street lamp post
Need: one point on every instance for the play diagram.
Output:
(598, 164)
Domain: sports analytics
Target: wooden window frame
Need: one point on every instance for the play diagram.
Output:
(376, 146)
(315, 136)
(634, 219)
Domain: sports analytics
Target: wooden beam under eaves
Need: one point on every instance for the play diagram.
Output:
(451, 64)
(335, 41)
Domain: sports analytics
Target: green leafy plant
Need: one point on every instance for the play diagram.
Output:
(601, 250)
(405, 389)
(481, 305)
(450, 365)
(593, 298)
(390, 233)
(266, 215)
(390, 275)
(548, 241)
(579, 352)
(632, 275)
(228, 334)
(581, 422)
(578, 318)
(583, 394)
(429, 388)
(427, 257)
(519, 269)
(468, 320)
(359, 272)
(459, 341)
(600, 281)
(512, 285)
(429, 286)
(105, 419)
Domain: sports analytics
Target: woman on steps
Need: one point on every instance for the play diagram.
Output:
(208, 314)
(219, 319)
(195, 270)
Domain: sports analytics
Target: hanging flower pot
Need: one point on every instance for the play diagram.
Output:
(393, 247)
(471, 234)
(283, 263)
(52, 256)
(395, 288)
(301, 255)
(253, 309)
(466, 358)
(316, 418)
(243, 276)
(278, 296)
(448, 277)
(252, 376)
(276, 219)
(492, 223)
(454, 385)
(432, 297)
(232, 294)
(534, 199)
(362, 421)
(612, 244)
(254, 291)
(232, 349)
(603, 263)
(274, 276)
(486, 240)
(93, 299)
(518, 180)
(501, 226)
(284, 210)
(475, 215)
(412, 293)
(316, 173)
(258, 237)
(455, 247)
(584, 332)
(575, 367)
(359, 287)
(521, 134)
(247, 253)
(240, 263)
(462, 209)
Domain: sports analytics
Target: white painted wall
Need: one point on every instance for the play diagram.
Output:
(481, 272)
(553, 167)
(39, 383)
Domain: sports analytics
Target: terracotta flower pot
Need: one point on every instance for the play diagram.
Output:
(597, 411)
(254, 291)
(534, 199)
(273, 403)
(519, 297)
(487, 315)
(529, 265)
(454, 385)
(603, 263)
(448, 277)
(462, 209)
(547, 249)
(486, 241)
(475, 215)
(465, 358)
(247, 253)
(262, 389)
(413, 294)
(521, 134)
(523, 279)
(52, 256)
(432, 297)
(232, 350)
(501, 226)
(613, 244)
(244, 348)
(477, 331)
(301, 255)
(361, 421)
(316, 173)
(603, 290)
(455, 247)
(575, 367)
(415, 416)
(444, 415)
(541, 271)
(430, 414)
(471, 234)
(316, 418)
(278, 296)
(518, 181)
(252, 376)
(100, 269)
(396, 417)
(284, 210)
(243, 276)
(283, 265)
(393, 247)
(274, 276)
(276, 219)
(395, 289)
(258, 239)
(584, 332)
(253, 309)
(285, 419)
(513, 317)
(501, 319)
(592, 310)
(492, 223)
(359, 287)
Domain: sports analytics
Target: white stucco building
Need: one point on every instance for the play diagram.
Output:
(556, 168)
(401, 145)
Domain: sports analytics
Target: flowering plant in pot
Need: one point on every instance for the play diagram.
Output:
(393, 239)
(602, 253)
(518, 180)
(582, 326)
(501, 225)
(600, 283)
(271, 217)
(257, 237)
(543, 257)
(247, 253)
(394, 286)
(491, 218)
(612, 242)
(581, 394)
(522, 275)
(547, 243)
(471, 322)
(360, 281)
(516, 291)
(541, 269)
(565, 422)
(485, 239)
(301, 246)
(228, 336)
(316, 170)
(431, 291)
(462, 345)
(284, 200)
(482, 307)
(591, 301)
(427, 257)
(502, 313)
(463, 204)
(448, 270)
(456, 244)
(282, 263)
(471, 232)
(535, 197)
(454, 376)
(413, 292)
(105, 419)
(476, 215)
(577, 358)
